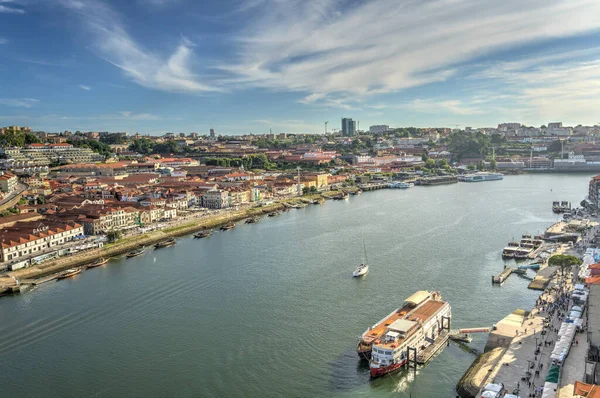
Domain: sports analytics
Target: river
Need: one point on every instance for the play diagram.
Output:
(271, 309)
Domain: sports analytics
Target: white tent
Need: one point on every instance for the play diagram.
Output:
(549, 390)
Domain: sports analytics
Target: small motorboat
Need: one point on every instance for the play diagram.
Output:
(227, 226)
(274, 214)
(70, 273)
(252, 220)
(360, 270)
(165, 243)
(98, 263)
(203, 234)
(462, 337)
(135, 253)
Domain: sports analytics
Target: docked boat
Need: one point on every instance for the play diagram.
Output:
(357, 192)
(228, 226)
(481, 176)
(274, 214)
(510, 250)
(98, 263)
(407, 333)
(165, 243)
(203, 234)
(400, 185)
(70, 273)
(418, 324)
(135, 253)
(252, 220)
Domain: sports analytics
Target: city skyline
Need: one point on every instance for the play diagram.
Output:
(251, 66)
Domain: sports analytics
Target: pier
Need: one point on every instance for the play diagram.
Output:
(500, 278)
(373, 186)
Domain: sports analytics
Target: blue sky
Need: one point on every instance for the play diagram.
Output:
(154, 66)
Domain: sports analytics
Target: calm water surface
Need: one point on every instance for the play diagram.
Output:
(271, 309)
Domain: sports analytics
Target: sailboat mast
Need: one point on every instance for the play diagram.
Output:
(364, 251)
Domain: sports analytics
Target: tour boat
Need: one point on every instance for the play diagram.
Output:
(203, 234)
(165, 243)
(227, 226)
(69, 273)
(400, 185)
(397, 338)
(510, 250)
(98, 263)
(135, 253)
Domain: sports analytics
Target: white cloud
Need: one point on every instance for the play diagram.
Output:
(569, 91)
(84, 87)
(10, 10)
(290, 126)
(338, 46)
(456, 107)
(3, 40)
(19, 102)
(144, 67)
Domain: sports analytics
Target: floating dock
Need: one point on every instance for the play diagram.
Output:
(425, 355)
(500, 278)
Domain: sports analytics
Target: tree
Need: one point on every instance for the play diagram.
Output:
(493, 164)
(563, 261)
(113, 138)
(480, 165)
(40, 200)
(305, 190)
(471, 167)
(313, 189)
(442, 163)
(113, 236)
(430, 163)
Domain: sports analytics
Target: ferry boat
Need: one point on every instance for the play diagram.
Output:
(98, 263)
(135, 253)
(510, 250)
(400, 185)
(427, 181)
(203, 234)
(423, 318)
(481, 176)
(165, 243)
(69, 273)
(228, 226)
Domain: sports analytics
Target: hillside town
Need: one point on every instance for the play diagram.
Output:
(67, 189)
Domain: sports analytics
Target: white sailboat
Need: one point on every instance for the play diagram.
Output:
(364, 267)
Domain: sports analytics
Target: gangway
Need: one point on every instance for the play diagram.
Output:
(464, 335)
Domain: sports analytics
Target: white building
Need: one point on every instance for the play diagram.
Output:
(26, 238)
(215, 199)
(380, 128)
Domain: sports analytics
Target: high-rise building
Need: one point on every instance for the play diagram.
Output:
(212, 133)
(348, 127)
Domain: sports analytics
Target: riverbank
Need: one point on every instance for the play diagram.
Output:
(29, 275)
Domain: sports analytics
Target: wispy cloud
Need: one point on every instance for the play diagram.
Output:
(10, 9)
(19, 102)
(456, 107)
(3, 40)
(381, 46)
(84, 87)
(289, 126)
(144, 67)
